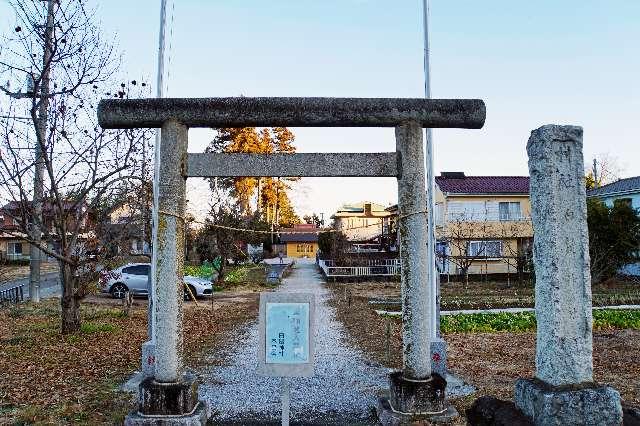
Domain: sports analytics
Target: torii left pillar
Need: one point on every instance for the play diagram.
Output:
(171, 394)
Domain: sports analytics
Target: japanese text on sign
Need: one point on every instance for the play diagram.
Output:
(287, 333)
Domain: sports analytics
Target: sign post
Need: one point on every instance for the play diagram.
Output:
(286, 341)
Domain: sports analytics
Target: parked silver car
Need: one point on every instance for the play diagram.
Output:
(133, 277)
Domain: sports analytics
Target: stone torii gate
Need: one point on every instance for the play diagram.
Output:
(171, 393)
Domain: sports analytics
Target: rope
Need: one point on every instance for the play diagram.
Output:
(170, 214)
(258, 231)
(404, 216)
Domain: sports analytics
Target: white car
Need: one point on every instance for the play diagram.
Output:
(133, 277)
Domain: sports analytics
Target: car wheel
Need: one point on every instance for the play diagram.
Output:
(186, 292)
(118, 290)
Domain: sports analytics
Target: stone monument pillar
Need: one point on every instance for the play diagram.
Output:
(416, 393)
(562, 391)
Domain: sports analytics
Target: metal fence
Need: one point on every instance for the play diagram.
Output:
(371, 268)
(13, 294)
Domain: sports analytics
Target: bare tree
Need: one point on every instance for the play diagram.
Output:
(604, 169)
(83, 164)
(460, 231)
(517, 247)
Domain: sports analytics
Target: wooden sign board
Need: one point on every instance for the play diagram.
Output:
(286, 334)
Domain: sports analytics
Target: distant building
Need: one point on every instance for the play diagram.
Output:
(483, 223)
(361, 222)
(13, 243)
(301, 240)
(623, 191)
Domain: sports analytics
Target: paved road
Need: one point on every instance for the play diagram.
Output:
(342, 391)
(49, 285)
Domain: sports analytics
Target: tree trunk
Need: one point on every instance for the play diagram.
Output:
(70, 302)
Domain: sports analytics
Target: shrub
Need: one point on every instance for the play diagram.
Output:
(526, 321)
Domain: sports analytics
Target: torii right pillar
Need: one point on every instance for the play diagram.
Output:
(417, 393)
(562, 391)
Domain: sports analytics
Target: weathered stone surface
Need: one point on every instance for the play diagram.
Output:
(491, 411)
(172, 399)
(199, 417)
(169, 259)
(291, 165)
(587, 405)
(561, 255)
(299, 112)
(417, 396)
(417, 300)
(387, 416)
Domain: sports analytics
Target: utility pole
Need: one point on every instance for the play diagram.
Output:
(431, 228)
(595, 173)
(41, 138)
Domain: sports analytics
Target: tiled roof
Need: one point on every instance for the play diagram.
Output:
(298, 237)
(631, 184)
(484, 184)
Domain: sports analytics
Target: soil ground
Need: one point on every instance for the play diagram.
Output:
(50, 378)
(490, 361)
(493, 294)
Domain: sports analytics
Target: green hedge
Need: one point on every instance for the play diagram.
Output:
(526, 321)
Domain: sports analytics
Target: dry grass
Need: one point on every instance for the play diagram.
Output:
(50, 378)
(495, 294)
(490, 361)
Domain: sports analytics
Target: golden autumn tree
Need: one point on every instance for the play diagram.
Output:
(272, 194)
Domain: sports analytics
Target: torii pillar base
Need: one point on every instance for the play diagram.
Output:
(415, 402)
(169, 404)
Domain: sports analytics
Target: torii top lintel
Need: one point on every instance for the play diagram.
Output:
(294, 112)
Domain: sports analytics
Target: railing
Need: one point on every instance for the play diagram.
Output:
(368, 262)
(17, 256)
(12, 295)
(385, 267)
(364, 248)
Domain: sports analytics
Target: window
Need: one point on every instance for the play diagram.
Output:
(439, 213)
(485, 248)
(510, 211)
(15, 248)
(137, 270)
(467, 211)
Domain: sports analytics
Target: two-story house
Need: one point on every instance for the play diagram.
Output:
(483, 223)
(13, 243)
(361, 223)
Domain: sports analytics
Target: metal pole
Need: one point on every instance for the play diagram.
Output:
(431, 226)
(285, 399)
(41, 137)
(151, 285)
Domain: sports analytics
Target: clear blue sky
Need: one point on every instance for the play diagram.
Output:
(568, 62)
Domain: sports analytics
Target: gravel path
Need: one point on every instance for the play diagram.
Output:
(342, 391)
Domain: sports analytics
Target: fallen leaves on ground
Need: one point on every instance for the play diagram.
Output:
(490, 361)
(48, 377)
